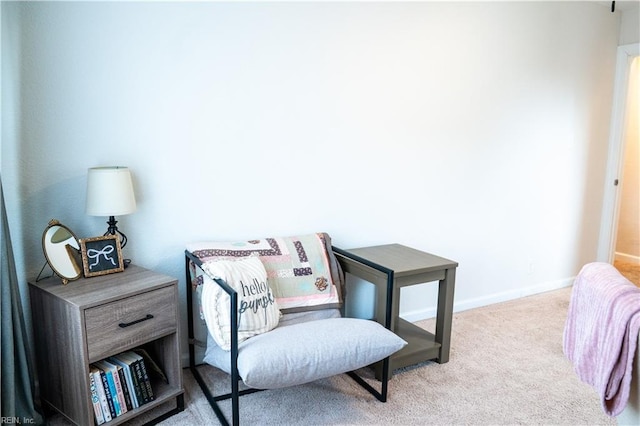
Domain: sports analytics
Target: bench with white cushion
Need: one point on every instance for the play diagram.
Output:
(290, 330)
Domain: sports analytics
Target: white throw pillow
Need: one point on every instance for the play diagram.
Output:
(257, 307)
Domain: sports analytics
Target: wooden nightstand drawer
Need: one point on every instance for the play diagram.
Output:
(125, 323)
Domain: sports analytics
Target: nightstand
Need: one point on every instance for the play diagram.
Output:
(93, 318)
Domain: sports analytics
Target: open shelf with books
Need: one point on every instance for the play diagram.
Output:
(123, 382)
(105, 325)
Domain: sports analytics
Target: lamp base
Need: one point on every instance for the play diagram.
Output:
(113, 230)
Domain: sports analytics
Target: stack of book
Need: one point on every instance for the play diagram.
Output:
(119, 384)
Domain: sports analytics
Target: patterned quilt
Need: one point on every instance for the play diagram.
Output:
(301, 270)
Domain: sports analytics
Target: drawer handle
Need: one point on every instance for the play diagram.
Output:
(127, 324)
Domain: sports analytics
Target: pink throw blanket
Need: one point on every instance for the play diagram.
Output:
(601, 332)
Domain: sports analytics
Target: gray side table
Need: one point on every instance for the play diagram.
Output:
(391, 267)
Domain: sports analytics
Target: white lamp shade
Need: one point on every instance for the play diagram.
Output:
(110, 192)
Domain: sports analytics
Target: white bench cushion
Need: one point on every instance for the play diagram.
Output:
(308, 351)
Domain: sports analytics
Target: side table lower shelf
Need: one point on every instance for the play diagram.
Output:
(422, 345)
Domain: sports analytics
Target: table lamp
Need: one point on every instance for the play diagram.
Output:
(110, 193)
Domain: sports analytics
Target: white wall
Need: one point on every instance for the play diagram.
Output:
(630, 26)
(628, 237)
(476, 131)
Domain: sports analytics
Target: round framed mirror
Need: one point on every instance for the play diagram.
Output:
(62, 250)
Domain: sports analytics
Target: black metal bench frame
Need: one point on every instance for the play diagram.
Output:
(236, 392)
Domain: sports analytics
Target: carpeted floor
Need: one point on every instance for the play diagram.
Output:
(506, 367)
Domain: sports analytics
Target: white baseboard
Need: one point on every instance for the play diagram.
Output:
(463, 305)
(624, 257)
